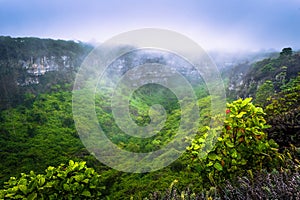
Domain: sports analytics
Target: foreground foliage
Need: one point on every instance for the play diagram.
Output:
(241, 147)
(73, 181)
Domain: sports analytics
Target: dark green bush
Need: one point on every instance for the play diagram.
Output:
(283, 114)
(274, 185)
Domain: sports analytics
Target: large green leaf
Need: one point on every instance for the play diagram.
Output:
(218, 166)
(229, 144)
(23, 188)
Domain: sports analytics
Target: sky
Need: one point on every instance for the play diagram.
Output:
(231, 25)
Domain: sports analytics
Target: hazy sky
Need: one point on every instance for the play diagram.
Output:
(214, 24)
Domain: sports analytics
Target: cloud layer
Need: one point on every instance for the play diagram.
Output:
(227, 25)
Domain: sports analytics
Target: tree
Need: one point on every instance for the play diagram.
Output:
(286, 51)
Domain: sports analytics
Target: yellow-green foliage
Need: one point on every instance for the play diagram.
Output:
(242, 146)
(74, 181)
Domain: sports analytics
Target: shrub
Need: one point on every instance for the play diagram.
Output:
(242, 146)
(74, 181)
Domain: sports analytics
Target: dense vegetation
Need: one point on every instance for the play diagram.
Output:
(74, 181)
(256, 154)
(276, 71)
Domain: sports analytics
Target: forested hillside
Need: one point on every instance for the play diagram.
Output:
(255, 156)
(246, 78)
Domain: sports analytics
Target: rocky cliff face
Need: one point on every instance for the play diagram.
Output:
(32, 65)
(173, 63)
